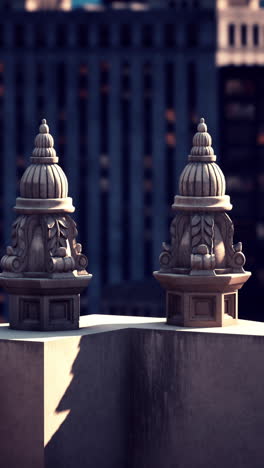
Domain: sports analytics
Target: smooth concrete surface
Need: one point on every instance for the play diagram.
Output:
(132, 392)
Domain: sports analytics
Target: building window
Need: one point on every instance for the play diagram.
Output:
(260, 135)
(125, 35)
(147, 35)
(82, 35)
(192, 35)
(239, 110)
(169, 35)
(243, 34)
(61, 36)
(255, 35)
(39, 36)
(237, 87)
(19, 35)
(231, 34)
(103, 35)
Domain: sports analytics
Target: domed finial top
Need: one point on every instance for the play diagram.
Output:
(202, 145)
(202, 127)
(43, 127)
(44, 151)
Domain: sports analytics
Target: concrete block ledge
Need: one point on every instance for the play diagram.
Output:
(132, 392)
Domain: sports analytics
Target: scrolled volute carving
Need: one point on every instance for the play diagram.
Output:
(81, 261)
(15, 259)
(234, 255)
(165, 257)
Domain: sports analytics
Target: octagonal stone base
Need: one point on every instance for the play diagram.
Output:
(201, 309)
(44, 312)
(45, 304)
(202, 301)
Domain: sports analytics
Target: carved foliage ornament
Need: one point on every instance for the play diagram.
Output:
(53, 234)
(201, 232)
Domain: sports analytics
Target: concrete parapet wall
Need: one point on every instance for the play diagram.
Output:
(131, 392)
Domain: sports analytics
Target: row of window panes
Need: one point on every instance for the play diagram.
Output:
(104, 36)
(240, 87)
(244, 31)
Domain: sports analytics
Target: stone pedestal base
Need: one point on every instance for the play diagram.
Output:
(44, 312)
(45, 304)
(202, 301)
(202, 309)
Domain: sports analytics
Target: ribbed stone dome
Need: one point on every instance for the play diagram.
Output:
(44, 181)
(202, 180)
(44, 178)
(202, 177)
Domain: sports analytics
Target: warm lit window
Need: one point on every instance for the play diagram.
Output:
(170, 115)
(239, 87)
(260, 136)
(170, 139)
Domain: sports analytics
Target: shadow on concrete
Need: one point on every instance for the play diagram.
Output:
(96, 432)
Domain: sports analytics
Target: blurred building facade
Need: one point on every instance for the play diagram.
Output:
(240, 60)
(122, 94)
(33, 5)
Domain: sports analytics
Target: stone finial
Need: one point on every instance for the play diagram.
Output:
(202, 269)
(44, 145)
(202, 183)
(44, 268)
(202, 145)
(44, 185)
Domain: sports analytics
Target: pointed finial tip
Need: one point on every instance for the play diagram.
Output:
(44, 127)
(202, 127)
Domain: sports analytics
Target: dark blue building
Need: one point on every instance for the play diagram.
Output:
(122, 91)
